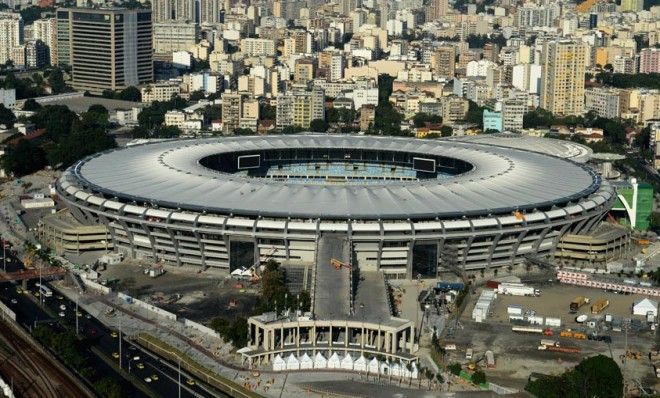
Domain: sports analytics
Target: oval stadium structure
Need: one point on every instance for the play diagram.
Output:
(407, 207)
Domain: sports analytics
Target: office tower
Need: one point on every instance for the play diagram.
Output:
(632, 5)
(107, 49)
(36, 54)
(443, 62)
(46, 31)
(209, 11)
(436, 10)
(11, 34)
(649, 60)
(299, 108)
(163, 10)
(232, 111)
(562, 82)
(174, 36)
(184, 10)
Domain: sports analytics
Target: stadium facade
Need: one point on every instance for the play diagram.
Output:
(407, 207)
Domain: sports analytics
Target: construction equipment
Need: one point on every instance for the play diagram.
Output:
(634, 355)
(339, 264)
(599, 305)
(577, 303)
(573, 335)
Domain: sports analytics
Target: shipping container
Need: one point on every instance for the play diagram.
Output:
(490, 359)
(514, 310)
(554, 322)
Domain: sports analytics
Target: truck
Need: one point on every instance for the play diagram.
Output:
(490, 359)
(547, 342)
(599, 305)
(517, 289)
(552, 348)
(527, 329)
(573, 334)
(577, 303)
(554, 322)
(446, 286)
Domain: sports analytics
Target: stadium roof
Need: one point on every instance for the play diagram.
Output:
(560, 148)
(168, 174)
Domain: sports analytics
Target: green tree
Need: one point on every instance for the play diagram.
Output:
(108, 388)
(420, 119)
(57, 120)
(318, 125)
(478, 377)
(538, 118)
(268, 112)
(446, 131)
(56, 81)
(31, 105)
(23, 158)
(454, 368)
(475, 114)
(240, 131)
(130, 93)
(7, 117)
(597, 376)
(197, 95)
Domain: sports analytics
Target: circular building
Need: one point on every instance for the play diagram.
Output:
(406, 207)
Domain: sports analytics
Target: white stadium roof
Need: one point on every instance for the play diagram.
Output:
(168, 174)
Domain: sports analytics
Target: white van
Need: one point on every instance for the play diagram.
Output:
(468, 354)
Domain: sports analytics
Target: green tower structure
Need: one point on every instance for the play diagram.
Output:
(636, 199)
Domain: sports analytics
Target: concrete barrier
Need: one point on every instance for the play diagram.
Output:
(149, 307)
(201, 328)
(95, 286)
(7, 312)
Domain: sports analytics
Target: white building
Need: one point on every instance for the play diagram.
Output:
(644, 307)
(160, 91)
(252, 47)
(11, 34)
(527, 77)
(8, 97)
(182, 59)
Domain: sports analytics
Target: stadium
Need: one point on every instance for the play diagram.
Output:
(406, 207)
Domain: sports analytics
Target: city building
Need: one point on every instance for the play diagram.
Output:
(632, 5)
(46, 31)
(604, 101)
(562, 82)
(513, 111)
(162, 91)
(454, 109)
(300, 107)
(443, 62)
(252, 47)
(107, 49)
(492, 120)
(649, 60)
(8, 97)
(174, 36)
(11, 34)
(436, 10)
(232, 111)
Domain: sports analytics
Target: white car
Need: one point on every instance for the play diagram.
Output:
(147, 379)
(62, 314)
(62, 307)
(14, 301)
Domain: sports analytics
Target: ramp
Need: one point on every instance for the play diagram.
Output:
(332, 287)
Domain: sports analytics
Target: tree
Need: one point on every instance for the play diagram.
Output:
(478, 377)
(130, 93)
(318, 126)
(31, 105)
(491, 131)
(446, 131)
(454, 368)
(421, 119)
(57, 120)
(7, 117)
(56, 81)
(240, 131)
(538, 118)
(598, 376)
(108, 388)
(197, 95)
(23, 158)
(475, 114)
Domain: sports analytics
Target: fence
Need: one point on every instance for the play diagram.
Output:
(147, 306)
(95, 286)
(201, 328)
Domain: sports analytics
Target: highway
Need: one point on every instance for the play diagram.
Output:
(156, 376)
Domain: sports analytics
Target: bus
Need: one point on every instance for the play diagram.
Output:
(45, 291)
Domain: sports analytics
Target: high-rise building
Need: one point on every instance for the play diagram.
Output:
(632, 5)
(209, 11)
(107, 49)
(174, 36)
(562, 81)
(436, 10)
(332, 63)
(443, 62)
(623, 64)
(163, 10)
(46, 31)
(184, 10)
(232, 111)
(299, 108)
(252, 47)
(513, 111)
(649, 60)
(36, 54)
(11, 34)
(603, 101)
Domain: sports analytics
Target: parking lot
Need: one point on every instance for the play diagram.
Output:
(517, 355)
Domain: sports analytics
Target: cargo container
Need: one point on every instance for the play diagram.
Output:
(577, 303)
(450, 286)
(599, 305)
(490, 359)
(492, 284)
(514, 310)
(535, 320)
(517, 289)
(554, 322)
(527, 329)
(547, 342)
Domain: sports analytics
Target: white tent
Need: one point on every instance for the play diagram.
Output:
(334, 362)
(643, 307)
(360, 364)
(320, 362)
(241, 273)
(292, 363)
(347, 362)
(279, 363)
(384, 368)
(415, 371)
(306, 362)
(395, 369)
(374, 366)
